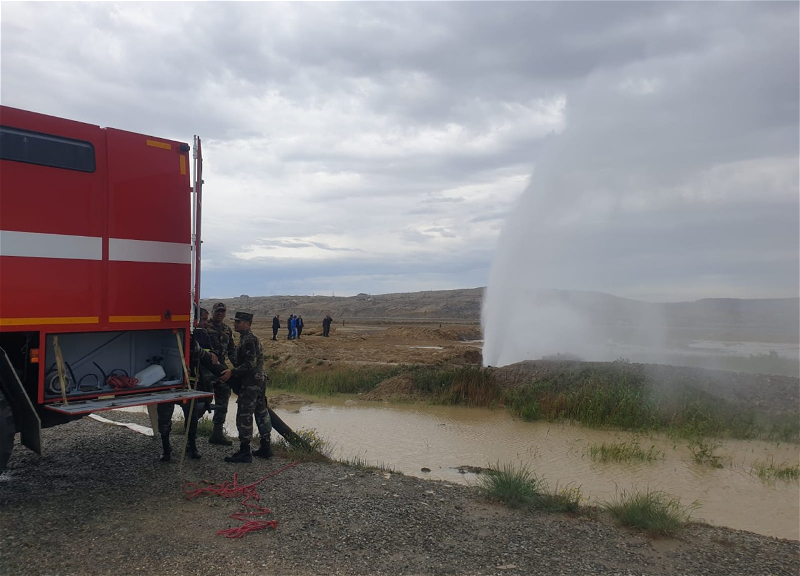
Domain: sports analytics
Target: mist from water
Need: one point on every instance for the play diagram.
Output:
(644, 196)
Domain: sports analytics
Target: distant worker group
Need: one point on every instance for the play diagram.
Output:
(295, 325)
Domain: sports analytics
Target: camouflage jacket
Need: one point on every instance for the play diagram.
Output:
(249, 357)
(221, 339)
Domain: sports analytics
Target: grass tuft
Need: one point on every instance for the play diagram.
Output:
(704, 451)
(768, 471)
(204, 427)
(624, 452)
(520, 488)
(652, 511)
(314, 448)
(361, 464)
(515, 487)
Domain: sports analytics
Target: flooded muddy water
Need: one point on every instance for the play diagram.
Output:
(409, 437)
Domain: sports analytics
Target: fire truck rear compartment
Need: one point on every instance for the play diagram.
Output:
(91, 358)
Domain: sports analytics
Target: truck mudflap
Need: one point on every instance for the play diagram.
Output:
(27, 421)
(128, 401)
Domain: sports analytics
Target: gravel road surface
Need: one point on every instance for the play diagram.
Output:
(99, 502)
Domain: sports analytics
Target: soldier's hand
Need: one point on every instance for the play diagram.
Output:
(214, 359)
(225, 376)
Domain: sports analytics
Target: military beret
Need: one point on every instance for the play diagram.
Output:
(243, 316)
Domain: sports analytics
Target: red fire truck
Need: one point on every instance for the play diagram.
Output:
(99, 271)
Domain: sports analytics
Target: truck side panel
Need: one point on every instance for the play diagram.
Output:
(52, 222)
(149, 272)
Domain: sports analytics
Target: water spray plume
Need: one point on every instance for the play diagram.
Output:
(634, 202)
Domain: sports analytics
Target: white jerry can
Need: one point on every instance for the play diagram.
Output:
(150, 375)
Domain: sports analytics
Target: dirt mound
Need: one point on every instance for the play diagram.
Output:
(397, 388)
(469, 356)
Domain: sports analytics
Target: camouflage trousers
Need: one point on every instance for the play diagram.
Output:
(222, 394)
(166, 409)
(252, 402)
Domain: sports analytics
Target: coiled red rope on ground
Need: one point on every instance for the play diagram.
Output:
(233, 489)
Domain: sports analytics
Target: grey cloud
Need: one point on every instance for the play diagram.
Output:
(490, 217)
(280, 91)
(293, 243)
(442, 232)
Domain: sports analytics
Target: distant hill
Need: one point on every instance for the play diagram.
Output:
(711, 318)
(436, 305)
(766, 320)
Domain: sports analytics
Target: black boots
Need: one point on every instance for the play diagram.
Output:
(166, 449)
(242, 456)
(265, 450)
(218, 437)
(191, 448)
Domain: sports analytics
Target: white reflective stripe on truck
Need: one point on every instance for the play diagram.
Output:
(38, 245)
(148, 251)
(65, 246)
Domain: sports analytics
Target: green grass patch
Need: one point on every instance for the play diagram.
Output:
(615, 396)
(333, 381)
(623, 452)
(704, 451)
(593, 397)
(204, 427)
(361, 464)
(467, 385)
(769, 471)
(521, 488)
(784, 428)
(314, 448)
(652, 511)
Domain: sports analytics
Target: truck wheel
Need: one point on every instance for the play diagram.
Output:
(7, 432)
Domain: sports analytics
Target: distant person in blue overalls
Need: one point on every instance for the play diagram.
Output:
(293, 327)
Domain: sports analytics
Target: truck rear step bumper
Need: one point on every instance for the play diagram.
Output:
(128, 401)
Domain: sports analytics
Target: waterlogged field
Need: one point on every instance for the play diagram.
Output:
(410, 398)
(407, 438)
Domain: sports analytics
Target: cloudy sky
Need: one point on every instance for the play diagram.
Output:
(645, 149)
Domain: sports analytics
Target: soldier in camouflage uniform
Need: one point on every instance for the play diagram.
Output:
(221, 339)
(199, 360)
(250, 383)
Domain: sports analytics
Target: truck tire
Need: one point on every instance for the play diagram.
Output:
(7, 432)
